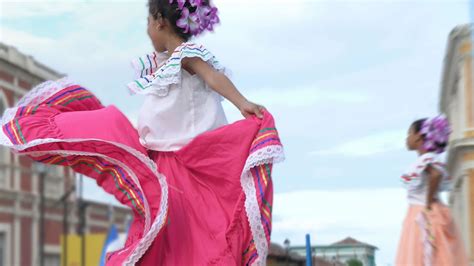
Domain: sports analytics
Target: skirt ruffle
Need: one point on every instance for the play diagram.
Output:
(209, 203)
(436, 242)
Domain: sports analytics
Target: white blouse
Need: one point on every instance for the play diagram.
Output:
(416, 179)
(178, 106)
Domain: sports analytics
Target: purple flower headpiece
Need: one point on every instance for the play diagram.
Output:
(203, 18)
(436, 131)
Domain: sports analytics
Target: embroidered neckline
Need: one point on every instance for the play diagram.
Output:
(170, 72)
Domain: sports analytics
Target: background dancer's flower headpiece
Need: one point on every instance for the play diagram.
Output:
(436, 133)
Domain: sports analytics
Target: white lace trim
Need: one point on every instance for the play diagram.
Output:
(37, 95)
(170, 72)
(130, 150)
(4, 140)
(146, 242)
(114, 161)
(149, 232)
(45, 90)
(270, 154)
(428, 245)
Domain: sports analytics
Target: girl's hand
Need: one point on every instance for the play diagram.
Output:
(249, 108)
(428, 208)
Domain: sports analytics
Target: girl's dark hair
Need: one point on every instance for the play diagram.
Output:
(418, 125)
(171, 12)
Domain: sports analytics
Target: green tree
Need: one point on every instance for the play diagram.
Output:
(354, 262)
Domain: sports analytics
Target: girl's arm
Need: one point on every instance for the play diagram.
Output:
(221, 84)
(434, 178)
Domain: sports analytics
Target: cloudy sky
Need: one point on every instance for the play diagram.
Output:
(344, 80)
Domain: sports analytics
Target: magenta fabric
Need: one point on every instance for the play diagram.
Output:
(190, 206)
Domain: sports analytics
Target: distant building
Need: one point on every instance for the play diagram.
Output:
(457, 102)
(279, 256)
(343, 251)
(19, 182)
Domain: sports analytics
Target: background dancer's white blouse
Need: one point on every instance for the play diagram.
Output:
(416, 179)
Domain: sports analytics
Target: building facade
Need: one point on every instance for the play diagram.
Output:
(342, 251)
(457, 102)
(20, 183)
(279, 256)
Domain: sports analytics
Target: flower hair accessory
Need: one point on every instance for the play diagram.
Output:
(203, 18)
(436, 131)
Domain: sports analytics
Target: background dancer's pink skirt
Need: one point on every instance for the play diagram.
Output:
(447, 244)
(209, 203)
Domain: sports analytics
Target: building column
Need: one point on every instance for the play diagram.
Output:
(35, 221)
(16, 210)
(6, 229)
(470, 211)
(468, 92)
(17, 189)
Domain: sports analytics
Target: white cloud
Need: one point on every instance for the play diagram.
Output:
(24, 39)
(367, 146)
(305, 97)
(321, 209)
(96, 193)
(373, 216)
(330, 44)
(19, 9)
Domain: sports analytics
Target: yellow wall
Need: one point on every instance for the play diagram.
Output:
(469, 134)
(465, 49)
(94, 245)
(466, 130)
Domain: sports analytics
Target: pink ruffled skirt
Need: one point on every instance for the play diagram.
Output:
(209, 203)
(430, 238)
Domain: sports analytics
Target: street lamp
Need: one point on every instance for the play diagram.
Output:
(64, 200)
(82, 205)
(287, 249)
(42, 170)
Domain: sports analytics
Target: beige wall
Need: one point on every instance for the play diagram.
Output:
(470, 193)
(457, 101)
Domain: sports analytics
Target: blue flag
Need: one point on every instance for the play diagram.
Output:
(309, 255)
(112, 236)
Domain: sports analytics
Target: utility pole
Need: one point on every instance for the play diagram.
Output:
(287, 250)
(42, 170)
(42, 176)
(82, 221)
(64, 200)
